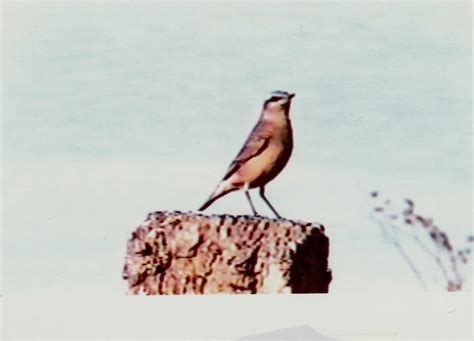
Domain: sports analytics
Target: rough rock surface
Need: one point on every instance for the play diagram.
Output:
(188, 253)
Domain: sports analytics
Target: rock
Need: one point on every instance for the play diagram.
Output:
(188, 253)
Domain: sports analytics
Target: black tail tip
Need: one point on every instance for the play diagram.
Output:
(203, 207)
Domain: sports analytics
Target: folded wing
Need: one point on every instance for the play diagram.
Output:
(256, 143)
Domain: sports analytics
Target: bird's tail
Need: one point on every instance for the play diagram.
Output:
(221, 190)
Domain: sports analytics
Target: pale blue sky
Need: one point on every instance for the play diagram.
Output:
(111, 111)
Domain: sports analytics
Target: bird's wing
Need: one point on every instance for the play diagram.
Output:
(256, 143)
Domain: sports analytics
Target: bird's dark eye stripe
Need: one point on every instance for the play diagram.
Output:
(275, 98)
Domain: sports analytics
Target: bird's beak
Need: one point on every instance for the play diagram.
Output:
(291, 96)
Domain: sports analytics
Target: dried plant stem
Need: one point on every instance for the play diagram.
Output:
(402, 252)
(436, 257)
(425, 248)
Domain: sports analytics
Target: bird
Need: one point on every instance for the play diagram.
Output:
(264, 154)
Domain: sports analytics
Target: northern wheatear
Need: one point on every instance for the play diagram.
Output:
(265, 153)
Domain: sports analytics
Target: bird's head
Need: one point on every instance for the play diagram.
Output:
(278, 101)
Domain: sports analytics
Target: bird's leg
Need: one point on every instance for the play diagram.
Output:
(250, 202)
(262, 194)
